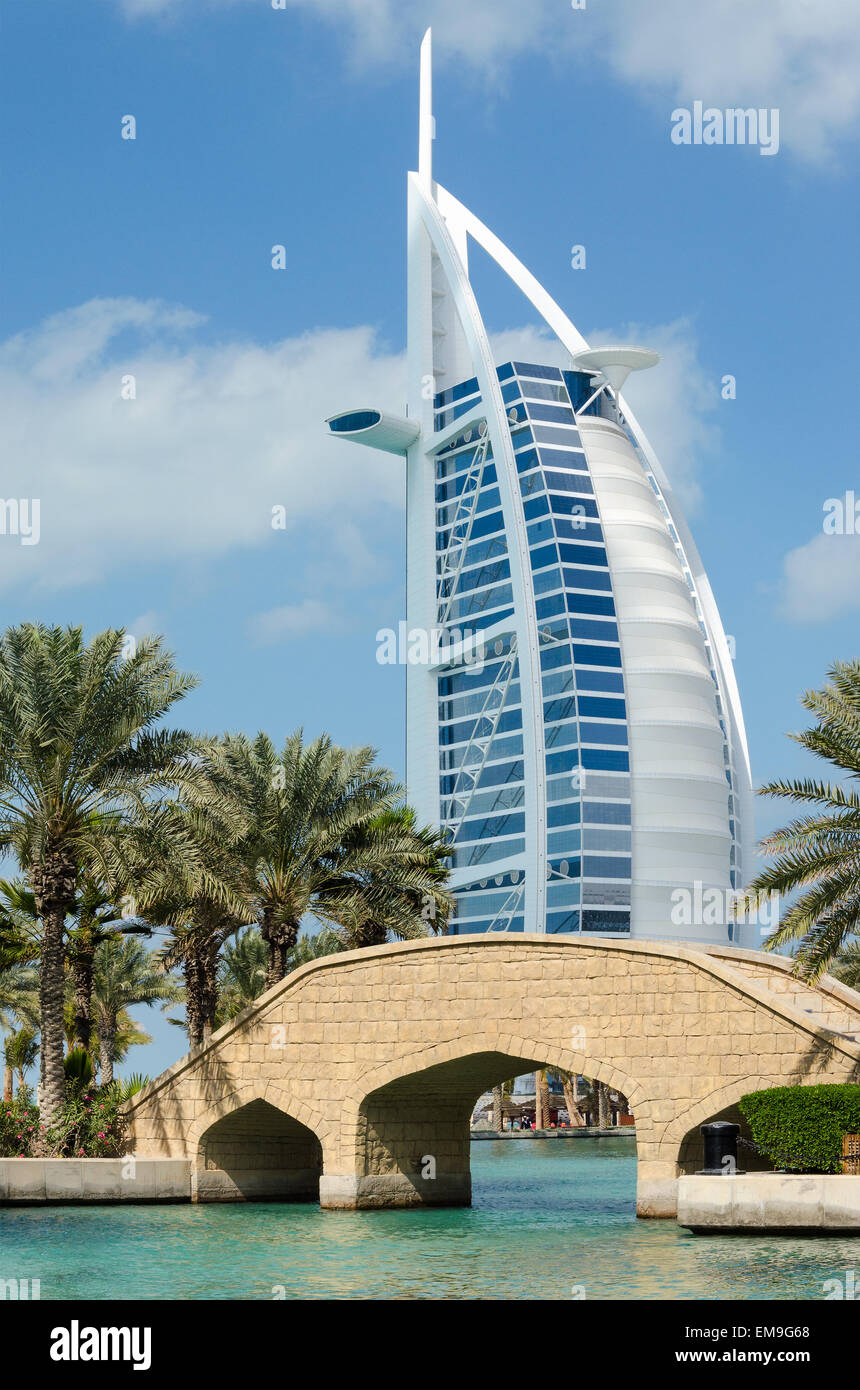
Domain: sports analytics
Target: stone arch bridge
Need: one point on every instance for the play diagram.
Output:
(342, 1080)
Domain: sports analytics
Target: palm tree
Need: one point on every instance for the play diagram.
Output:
(98, 917)
(243, 964)
(405, 878)
(326, 942)
(541, 1099)
(819, 852)
(128, 1034)
(19, 996)
(19, 1007)
(129, 1086)
(94, 921)
(241, 974)
(571, 1099)
(125, 973)
(195, 946)
(19, 980)
(80, 758)
(498, 1120)
(317, 840)
(20, 1051)
(205, 896)
(20, 932)
(604, 1106)
(846, 965)
(79, 1069)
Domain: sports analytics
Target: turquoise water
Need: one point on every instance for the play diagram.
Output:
(549, 1216)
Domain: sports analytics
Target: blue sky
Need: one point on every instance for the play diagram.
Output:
(258, 126)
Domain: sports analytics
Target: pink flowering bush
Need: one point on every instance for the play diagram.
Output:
(19, 1125)
(91, 1126)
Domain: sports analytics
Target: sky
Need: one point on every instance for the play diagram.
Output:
(257, 126)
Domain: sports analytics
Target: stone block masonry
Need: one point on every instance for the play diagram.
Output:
(355, 1077)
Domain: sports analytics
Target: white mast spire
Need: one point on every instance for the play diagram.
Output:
(425, 114)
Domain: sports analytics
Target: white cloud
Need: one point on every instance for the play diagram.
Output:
(218, 436)
(802, 56)
(66, 343)
(144, 625)
(137, 9)
(821, 580)
(291, 620)
(215, 438)
(673, 403)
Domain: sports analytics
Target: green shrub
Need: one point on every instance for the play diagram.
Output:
(801, 1128)
(78, 1066)
(91, 1126)
(19, 1125)
(129, 1086)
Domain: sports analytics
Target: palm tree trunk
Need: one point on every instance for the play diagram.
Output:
(280, 940)
(544, 1099)
(53, 881)
(602, 1105)
(193, 997)
(573, 1110)
(107, 1037)
(204, 946)
(8, 1076)
(51, 991)
(498, 1123)
(82, 974)
(208, 985)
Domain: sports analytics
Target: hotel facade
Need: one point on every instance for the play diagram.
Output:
(585, 748)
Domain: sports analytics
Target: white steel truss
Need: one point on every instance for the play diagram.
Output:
(483, 733)
(461, 528)
(508, 909)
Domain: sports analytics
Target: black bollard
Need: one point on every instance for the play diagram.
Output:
(721, 1148)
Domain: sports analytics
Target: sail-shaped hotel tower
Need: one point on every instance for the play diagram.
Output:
(594, 762)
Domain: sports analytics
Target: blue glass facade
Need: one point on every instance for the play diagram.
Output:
(480, 731)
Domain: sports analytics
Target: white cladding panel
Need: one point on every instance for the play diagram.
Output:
(680, 812)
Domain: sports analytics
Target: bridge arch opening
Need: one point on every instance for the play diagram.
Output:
(413, 1137)
(258, 1153)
